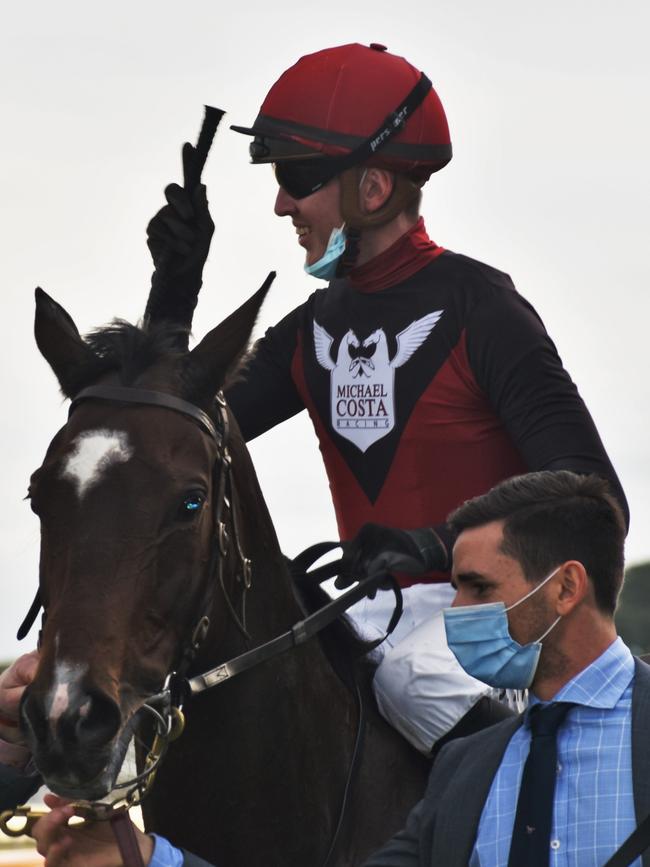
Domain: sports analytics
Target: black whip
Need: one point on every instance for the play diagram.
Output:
(211, 121)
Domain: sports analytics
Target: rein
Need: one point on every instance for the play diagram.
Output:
(166, 706)
(300, 632)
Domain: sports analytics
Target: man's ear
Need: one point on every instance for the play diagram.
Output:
(572, 585)
(375, 189)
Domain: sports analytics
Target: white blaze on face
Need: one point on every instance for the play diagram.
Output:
(93, 452)
(67, 677)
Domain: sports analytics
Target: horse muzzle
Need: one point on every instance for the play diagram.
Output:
(76, 743)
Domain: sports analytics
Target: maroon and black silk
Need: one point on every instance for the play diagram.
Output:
(483, 396)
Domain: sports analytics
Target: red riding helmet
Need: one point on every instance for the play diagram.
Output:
(355, 101)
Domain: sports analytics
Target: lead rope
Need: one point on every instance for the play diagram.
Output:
(126, 840)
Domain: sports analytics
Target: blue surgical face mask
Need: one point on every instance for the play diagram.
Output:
(325, 267)
(479, 638)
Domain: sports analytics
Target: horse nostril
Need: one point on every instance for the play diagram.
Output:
(96, 721)
(33, 714)
(90, 720)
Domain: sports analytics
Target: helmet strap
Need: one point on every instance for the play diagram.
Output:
(351, 252)
(405, 193)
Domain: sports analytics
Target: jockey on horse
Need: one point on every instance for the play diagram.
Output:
(427, 377)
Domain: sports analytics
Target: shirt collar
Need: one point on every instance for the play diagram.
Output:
(602, 683)
(410, 253)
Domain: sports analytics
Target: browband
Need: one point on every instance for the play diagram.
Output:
(122, 394)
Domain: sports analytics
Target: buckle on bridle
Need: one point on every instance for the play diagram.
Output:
(222, 538)
(200, 631)
(247, 573)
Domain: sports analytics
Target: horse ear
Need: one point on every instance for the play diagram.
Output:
(59, 341)
(221, 350)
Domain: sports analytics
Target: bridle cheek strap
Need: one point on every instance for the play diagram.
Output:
(30, 617)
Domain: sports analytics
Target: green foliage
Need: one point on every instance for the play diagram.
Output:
(633, 613)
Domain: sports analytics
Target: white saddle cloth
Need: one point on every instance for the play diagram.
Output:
(419, 685)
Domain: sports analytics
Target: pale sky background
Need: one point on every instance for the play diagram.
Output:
(548, 109)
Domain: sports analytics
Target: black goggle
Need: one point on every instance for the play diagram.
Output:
(301, 178)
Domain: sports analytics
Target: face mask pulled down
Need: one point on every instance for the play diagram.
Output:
(325, 267)
(479, 638)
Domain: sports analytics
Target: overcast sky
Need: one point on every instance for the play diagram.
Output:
(548, 110)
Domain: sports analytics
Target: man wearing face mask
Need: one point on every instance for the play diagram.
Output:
(428, 378)
(537, 567)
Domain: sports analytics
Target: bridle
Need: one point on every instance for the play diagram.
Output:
(224, 502)
(166, 706)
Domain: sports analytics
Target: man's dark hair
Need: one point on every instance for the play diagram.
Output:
(551, 517)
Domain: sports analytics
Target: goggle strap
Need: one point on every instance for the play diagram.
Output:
(390, 127)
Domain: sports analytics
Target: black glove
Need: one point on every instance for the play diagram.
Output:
(376, 549)
(179, 239)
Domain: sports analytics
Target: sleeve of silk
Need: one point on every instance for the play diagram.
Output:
(263, 394)
(517, 366)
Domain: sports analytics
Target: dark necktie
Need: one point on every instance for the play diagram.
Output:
(531, 835)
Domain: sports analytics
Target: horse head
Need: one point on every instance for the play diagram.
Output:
(128, 496)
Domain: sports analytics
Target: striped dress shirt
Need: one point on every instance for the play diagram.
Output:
(593, 810)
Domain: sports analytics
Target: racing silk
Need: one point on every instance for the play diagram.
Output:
(428, 379)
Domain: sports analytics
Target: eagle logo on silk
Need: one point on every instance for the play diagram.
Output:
(362, 378)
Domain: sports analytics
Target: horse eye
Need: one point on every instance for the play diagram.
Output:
(192, 505)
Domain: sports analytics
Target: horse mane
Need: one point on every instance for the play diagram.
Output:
(349, 655)
(127, 350)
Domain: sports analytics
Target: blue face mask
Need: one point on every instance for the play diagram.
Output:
(325, 267)
(479, 638)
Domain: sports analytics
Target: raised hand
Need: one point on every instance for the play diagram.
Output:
(179, 239)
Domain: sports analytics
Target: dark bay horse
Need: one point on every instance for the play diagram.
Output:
(127, 498)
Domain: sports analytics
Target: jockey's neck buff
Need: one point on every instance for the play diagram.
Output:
(479, 638)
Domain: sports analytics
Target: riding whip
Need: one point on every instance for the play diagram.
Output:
(168, 298)
(211, 120)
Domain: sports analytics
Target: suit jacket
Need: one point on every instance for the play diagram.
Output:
(441, 829)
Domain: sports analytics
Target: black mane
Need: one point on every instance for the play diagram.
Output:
(347, 652)
(129, 351)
